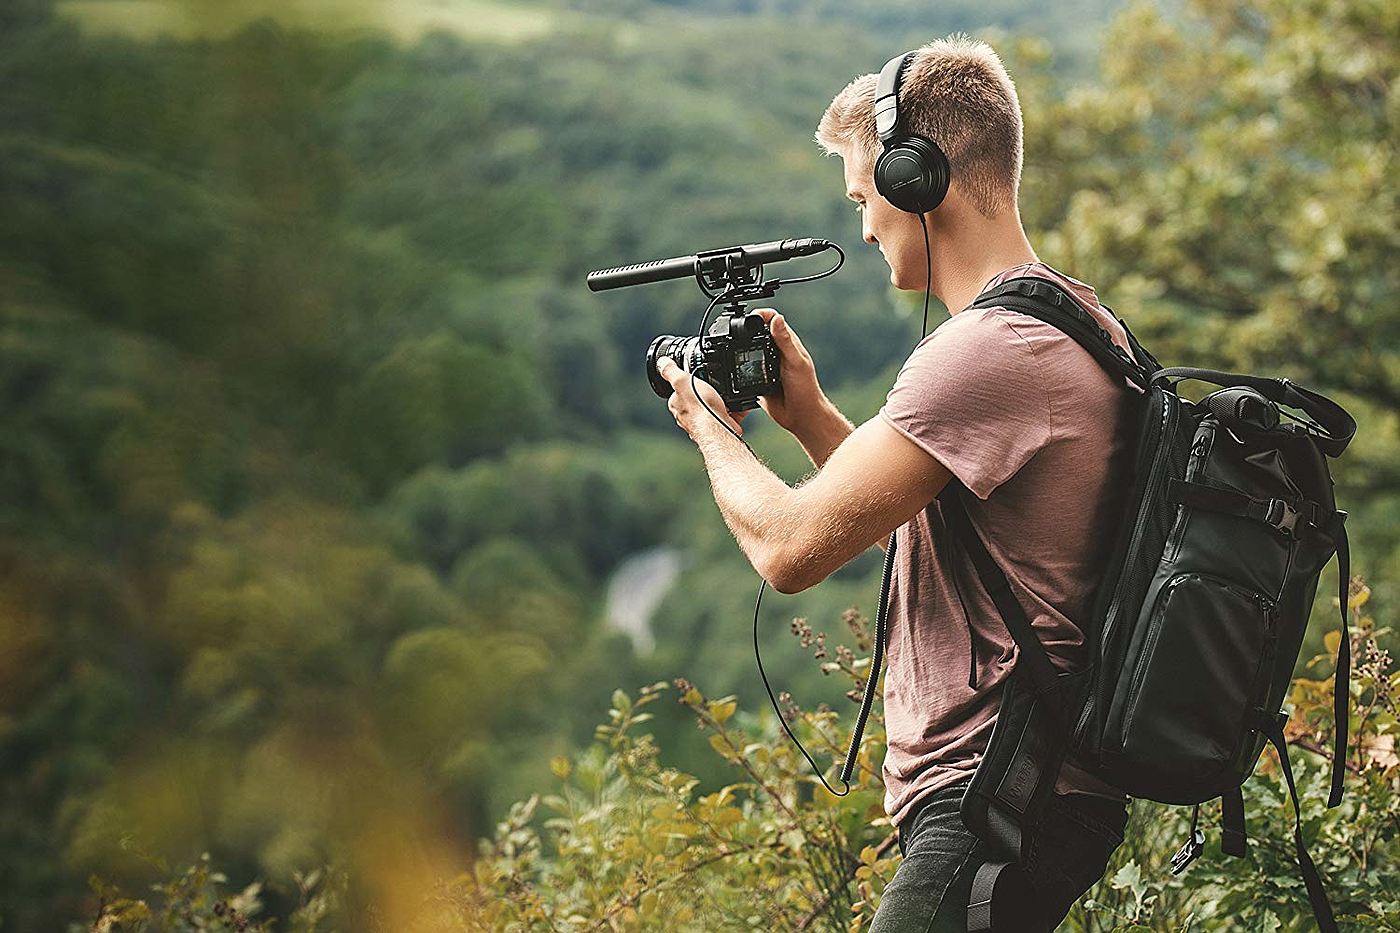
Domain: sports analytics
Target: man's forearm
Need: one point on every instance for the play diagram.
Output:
(757, 505)
(824, 433)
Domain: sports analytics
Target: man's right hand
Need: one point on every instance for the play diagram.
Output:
(801, 401)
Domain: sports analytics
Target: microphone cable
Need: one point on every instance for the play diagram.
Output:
(881, 615)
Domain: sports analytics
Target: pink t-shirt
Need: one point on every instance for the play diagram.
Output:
(1038, 432)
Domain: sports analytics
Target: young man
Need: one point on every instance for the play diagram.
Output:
(1021, 415)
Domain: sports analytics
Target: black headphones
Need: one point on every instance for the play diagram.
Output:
(912, 172)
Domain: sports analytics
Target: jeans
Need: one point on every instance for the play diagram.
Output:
(929, 891)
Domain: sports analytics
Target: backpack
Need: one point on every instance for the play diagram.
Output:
(1197, 622)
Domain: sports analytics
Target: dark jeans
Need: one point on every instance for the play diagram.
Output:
(929, 891)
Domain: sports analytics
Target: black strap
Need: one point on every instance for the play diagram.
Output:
(979, 899)
(1280, 513)
(1331, 417)
(1002, 900)
(1341, 680)
(1041, 671)
(1233, 840)
(1046, 301)
(1146, 360)
(1317, 894)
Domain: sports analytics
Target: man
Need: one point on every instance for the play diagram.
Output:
(1020, 414)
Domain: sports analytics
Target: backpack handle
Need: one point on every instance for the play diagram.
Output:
(1339, 426)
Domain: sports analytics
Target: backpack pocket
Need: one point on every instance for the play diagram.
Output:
(1180, 718)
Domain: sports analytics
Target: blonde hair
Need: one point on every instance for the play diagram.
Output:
(957, 93)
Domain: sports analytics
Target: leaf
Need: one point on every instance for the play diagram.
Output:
(621, 701)
(720, 745)
(1332, 641)
(692, 697)
(868, 855)
(1129, 877)
(721, 710)
(561, 766)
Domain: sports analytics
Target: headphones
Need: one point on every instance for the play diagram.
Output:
(912, 172)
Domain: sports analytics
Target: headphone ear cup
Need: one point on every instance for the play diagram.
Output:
(912, 174)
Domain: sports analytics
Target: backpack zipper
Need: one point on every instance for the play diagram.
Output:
(1266, 607)
(1114, 608)
(1199, 449)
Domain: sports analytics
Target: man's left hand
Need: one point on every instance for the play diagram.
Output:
(685, 406)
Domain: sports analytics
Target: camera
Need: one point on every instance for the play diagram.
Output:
(737, 354)
(737, 357)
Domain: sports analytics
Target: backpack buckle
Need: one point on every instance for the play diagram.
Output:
(1282, 516)
(1189, 852)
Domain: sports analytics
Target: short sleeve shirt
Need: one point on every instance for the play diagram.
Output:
(1037, 430)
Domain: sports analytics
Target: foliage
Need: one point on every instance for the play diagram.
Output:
(316, 456)
(192, 900)
(1230, 189)
(629, 843)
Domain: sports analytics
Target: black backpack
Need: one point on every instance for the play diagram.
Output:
(1197, 623)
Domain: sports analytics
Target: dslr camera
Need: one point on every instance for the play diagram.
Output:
(737, 354)
(737, 357)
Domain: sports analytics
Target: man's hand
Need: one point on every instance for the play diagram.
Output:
(801, 401)
(686, 406)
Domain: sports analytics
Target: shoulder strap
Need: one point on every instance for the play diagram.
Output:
(1042, 672)
(1046, 301)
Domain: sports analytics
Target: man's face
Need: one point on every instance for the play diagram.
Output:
(896, 232)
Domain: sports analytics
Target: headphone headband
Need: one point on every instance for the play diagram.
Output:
(887, 96)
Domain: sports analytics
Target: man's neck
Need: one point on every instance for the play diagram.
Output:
(967, 258)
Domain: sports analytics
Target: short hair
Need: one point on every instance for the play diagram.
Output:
(957, 93)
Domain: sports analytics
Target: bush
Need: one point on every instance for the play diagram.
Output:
(627, 843)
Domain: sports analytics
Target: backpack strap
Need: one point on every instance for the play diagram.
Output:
(1281, 514)
(1233, 840)
(1341, 679)
(1047, 301)
(1317, 894)
(1338, 427)
(1042, 672)
(1000, 899)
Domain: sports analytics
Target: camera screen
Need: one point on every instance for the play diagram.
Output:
(749, 369)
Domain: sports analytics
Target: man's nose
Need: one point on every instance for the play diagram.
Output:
(867, 234)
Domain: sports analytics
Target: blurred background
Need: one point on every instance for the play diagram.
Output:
(333, 507)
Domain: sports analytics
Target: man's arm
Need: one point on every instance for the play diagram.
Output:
(823, 433)
(872, 482)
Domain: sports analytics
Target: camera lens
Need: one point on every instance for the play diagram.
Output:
(680, 349)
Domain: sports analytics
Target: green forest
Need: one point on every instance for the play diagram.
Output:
(353, 578)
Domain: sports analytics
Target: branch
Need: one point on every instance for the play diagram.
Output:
(816, 911)
(630, 900)
(1324, 752)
